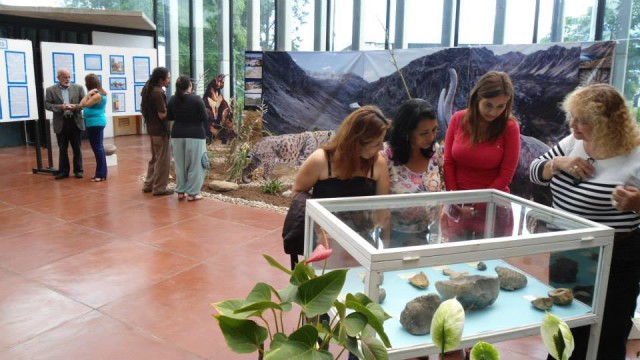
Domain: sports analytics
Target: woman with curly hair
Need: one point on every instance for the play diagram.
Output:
(589, 173)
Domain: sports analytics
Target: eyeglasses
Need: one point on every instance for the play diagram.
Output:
(578, 180)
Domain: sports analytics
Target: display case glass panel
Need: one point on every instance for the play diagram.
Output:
(386, 240)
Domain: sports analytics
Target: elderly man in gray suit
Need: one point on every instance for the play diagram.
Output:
(63, 99)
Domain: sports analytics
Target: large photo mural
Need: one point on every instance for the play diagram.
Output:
(315, 91)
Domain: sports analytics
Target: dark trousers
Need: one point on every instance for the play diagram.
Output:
(96, 136)
(160, 164)
(70, 134)
(620, 304)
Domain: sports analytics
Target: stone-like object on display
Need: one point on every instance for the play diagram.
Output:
(473, 292)
(542, 303)
(382, 294)
(419, 280)
(511, 279)
(583, 293)
(454, 274)
(563, 270)
(418, 313)
(109, 149)
(223, 186)
(481, 266)
(561, 296)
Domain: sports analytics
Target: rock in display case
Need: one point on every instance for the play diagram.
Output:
(506, 259)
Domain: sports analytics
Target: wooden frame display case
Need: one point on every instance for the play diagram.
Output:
(385, 240)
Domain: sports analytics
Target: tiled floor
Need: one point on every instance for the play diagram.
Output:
(103, 271)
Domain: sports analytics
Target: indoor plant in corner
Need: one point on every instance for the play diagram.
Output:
(357, 326)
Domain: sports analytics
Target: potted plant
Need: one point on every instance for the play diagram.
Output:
(357, 326)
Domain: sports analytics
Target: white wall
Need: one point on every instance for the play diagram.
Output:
(79, 70)
(122, 40)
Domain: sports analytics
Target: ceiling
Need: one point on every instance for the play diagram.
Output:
(112, 18)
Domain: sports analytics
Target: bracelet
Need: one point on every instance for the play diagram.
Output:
(554, 171)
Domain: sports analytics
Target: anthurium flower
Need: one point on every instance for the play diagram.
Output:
(319, 254)
(447, 325)
(484, 351)
(557, 337)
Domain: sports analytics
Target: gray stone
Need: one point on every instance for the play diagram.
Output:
(109, 149)
(481, 266)
(473, 292)
(223, 186)
(511, 279)
(542, 303)
(418, 313)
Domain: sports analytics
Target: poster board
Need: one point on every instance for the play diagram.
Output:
(122, 72)
(18, 100)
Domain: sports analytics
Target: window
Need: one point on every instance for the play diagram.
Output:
(341, 25)
(519, 21)
(423, 23)
(477, 19)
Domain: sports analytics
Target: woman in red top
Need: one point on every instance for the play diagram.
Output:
(482, 149)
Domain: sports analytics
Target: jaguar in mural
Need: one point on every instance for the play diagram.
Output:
(291, 149)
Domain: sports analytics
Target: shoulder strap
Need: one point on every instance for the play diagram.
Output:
(371, 176)
(328, 161)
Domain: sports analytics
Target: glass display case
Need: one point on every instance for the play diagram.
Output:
(465, 237)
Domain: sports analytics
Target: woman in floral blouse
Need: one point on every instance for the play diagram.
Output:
(415, 165)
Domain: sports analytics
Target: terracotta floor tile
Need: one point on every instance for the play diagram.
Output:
(201, 207)
(84, 204)
(96, 337)
(99, 276)
(249, 216)
(22, 179)
(30, 309)
(135, 219)
(6, 206)
(179, 311)
(18, 220)
(56, 190)
(41, 247)
(201, 237)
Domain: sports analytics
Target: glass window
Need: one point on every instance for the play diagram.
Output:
(374, 24)
(578, 16)
(544, 21)
(211, 33)
(519, 21)
(302, 27)
(423, 23)
(184, 36)
(267, 25)
(239, 46)
(341, 25)
(477, 18)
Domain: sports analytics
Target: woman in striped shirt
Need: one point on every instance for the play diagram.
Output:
(589, 173)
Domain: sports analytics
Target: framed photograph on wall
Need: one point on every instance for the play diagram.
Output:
(63, 61)
(141, 69)
(117, 83)
(93, 62)
(16, 67)
(118, 102)
(116, 64)
(137, 89)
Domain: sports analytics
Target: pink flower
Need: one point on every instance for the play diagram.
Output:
(320, 253)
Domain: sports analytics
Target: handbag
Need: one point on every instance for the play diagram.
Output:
(206, 164)
(293, 228)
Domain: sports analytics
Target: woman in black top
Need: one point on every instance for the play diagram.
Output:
(188, 139)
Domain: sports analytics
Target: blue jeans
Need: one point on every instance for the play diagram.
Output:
(95, 138)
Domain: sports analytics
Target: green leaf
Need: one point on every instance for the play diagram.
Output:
(317, 295)
(229, 307)
(278, 340)
(484, 351)
(352, 345)
(354, 323)
(260, 292)
(447, 325)
(301, 274)
(373, 349)
(307, 334)
(289, 294)
(341, 309)
(557, 337)
(276, 264)
(242, 336)
(296, 350)
(259, 307)
(372, 320)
